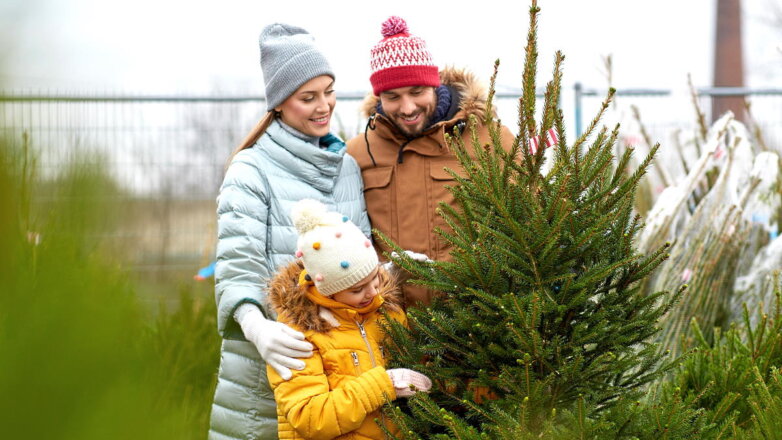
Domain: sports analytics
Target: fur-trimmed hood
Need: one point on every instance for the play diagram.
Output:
(291, 302)
(472, 92)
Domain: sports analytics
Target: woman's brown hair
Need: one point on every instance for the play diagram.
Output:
(254, 135)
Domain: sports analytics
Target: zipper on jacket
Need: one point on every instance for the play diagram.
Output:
(374, 364)
(366, 341)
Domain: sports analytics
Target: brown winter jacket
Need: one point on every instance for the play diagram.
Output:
(344, 383)
(402, 192)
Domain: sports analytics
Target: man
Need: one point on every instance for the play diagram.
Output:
(403, 153)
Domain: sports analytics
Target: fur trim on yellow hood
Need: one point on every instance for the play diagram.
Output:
(472, 92)
(291, 302)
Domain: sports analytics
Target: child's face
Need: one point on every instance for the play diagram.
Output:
(362, 293)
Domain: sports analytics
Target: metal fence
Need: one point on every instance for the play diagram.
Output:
(168, 153)
(663, 111)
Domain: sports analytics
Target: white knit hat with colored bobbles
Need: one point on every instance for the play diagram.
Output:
(336, 254)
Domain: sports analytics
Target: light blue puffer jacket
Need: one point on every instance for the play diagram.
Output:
(255, 237)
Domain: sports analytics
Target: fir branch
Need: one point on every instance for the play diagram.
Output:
(527, 100)
(551, 97)
(576, 148)
(622, 166)
(489, 114)
(597, 227)
(701, 118)
(597, 158)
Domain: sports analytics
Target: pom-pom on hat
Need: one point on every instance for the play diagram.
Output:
(401, 59)
(336, 254)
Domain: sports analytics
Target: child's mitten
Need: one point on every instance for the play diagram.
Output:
(408, 382)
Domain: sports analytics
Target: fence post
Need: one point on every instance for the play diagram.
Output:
(577, 92)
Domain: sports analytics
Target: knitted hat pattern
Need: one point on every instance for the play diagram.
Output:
(401, 59)
(335, 253)
(289, 58)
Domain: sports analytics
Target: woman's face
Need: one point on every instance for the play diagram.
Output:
(309, 108)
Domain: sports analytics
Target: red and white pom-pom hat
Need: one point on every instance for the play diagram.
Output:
(401, 59)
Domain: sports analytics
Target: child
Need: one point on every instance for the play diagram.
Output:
(334, 294)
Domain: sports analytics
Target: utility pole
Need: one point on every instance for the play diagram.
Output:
(728, 58)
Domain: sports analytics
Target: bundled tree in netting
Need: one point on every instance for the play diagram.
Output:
(540, 308)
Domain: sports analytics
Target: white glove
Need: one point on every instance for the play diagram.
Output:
(392, 268)
(278, 344)
(408, 382)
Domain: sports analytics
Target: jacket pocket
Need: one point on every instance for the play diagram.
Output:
(380, 198)
(437, 169)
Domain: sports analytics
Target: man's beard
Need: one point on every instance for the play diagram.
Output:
(415, 131)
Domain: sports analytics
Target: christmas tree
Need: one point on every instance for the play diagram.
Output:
(540, 307)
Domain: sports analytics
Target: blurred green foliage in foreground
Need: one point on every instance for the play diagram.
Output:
(80, 357)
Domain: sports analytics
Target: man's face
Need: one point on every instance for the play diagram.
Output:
(409, 108)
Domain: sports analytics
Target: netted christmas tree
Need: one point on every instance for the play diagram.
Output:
(540, 308)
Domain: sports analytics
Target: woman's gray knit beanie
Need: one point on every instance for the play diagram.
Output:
(289, 59)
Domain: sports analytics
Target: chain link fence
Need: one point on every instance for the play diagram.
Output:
(167, 153)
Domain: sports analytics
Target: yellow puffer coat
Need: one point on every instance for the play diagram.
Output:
(344, 383)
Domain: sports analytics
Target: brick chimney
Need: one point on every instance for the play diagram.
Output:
(728, 58)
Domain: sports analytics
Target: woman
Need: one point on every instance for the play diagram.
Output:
(289, 156)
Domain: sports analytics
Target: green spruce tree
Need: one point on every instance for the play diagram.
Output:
(541, 307)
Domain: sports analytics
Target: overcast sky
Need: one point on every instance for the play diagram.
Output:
(193, 46)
